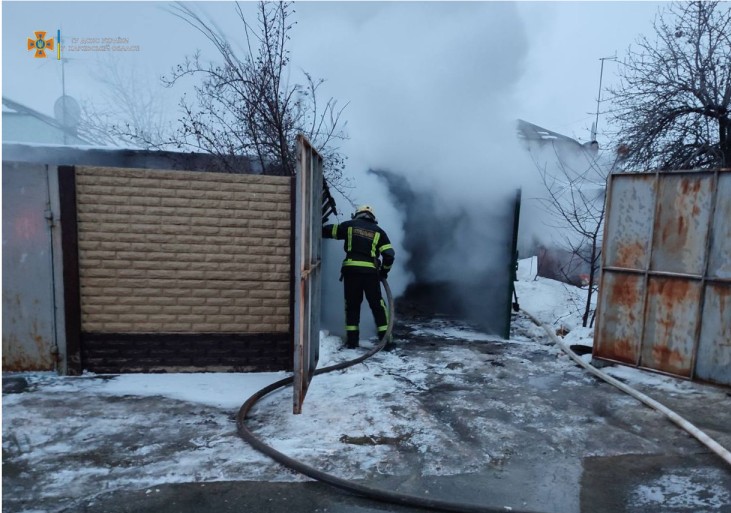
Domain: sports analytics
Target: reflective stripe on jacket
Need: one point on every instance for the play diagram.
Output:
(364, 242)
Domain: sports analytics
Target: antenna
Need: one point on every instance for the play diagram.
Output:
(595, 125)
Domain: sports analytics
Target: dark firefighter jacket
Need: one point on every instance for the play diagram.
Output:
(364, 242)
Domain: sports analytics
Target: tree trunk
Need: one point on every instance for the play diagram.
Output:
(590, 293)
(724, 134)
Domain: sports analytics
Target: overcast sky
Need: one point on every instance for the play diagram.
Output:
(546, 53)
(430, 85)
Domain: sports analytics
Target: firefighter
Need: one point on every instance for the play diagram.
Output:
(364, 243)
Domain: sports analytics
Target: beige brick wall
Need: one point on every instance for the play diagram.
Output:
(180, 251)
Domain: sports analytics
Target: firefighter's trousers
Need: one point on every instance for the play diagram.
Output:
(356, 284)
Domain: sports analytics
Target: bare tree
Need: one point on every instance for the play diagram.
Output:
(575, 188)
(244, 105)
(130, 111)
(672, 106)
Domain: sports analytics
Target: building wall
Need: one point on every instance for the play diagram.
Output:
(183, 252)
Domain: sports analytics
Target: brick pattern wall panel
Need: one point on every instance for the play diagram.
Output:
(183, 252)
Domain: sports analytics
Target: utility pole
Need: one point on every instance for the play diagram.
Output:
(599, 95)
(66, 112)
(59, 57)
(63, 96)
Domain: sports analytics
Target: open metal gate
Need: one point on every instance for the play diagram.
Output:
(307, 268)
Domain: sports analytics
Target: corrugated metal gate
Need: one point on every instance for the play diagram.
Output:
(664, 297)
(308, 269)
(29, 341)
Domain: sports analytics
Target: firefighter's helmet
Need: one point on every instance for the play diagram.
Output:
(364, 211)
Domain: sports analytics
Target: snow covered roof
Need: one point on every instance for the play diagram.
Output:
(23, 124)
(530, 132)
(125, 157)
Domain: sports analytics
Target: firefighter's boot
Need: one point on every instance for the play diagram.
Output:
(388, 346)
(353, 337)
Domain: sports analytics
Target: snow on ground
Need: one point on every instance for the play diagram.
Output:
(220, 390)
(554, 303)
(69, 434)
(561, 306)
(684, 491)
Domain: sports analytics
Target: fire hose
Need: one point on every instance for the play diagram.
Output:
(417, 501)
(670, 414)
(343, 484)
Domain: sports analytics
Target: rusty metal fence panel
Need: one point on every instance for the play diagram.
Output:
(628, 219)
(714, 347)
(719, 265)
(666, 274)
(681, 224)
(621, 305)
(308, 257)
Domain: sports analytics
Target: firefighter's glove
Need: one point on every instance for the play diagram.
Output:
(383, 274)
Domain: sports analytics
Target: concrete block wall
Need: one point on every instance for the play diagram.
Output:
(183, 252)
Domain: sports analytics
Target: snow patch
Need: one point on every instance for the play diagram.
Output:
(688, 490)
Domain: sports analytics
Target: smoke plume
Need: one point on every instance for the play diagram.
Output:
(430, 86)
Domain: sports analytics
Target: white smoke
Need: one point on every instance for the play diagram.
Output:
(431, 90)
(430, 85)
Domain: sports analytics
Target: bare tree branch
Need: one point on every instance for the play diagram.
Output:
(129, 105)
(575, 201)
(672, 108)
(241, 105)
